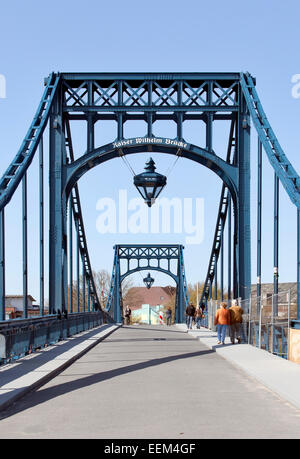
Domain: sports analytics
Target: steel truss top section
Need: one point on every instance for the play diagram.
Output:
(149, 251)
(150, 91)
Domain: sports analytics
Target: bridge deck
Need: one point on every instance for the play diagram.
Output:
(150, 382)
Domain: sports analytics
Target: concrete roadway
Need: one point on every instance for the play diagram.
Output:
(146, 382)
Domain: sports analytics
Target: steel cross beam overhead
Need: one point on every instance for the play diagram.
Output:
(124, 97)
(144, 255)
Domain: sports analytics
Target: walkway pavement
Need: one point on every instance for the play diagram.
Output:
(30, 372)
(277, 374)
(149, 382)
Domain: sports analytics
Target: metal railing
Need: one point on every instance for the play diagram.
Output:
(266, 320)
(20, 337)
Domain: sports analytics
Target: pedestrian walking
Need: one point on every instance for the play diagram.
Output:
(127, 315)
(236, 319)
(222, 321)
(198, 316)
(190, 314)
(169, 315)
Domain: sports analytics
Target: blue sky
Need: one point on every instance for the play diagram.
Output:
(262, 37)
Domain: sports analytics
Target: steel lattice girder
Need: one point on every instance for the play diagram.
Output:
(150, 92)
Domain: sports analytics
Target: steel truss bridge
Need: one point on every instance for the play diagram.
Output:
(205, 98)
(144, 256)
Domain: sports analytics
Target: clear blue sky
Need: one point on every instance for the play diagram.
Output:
(262, 37)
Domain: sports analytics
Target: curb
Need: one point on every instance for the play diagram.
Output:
(33, 371)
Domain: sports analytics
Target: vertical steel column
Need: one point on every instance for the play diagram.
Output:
(209, 118)
(276, 236)
(65, 256)
(88, 295)
(276, 246)
(180, 291)
(179, 114)
(222, 258)
(117, 312)
(83, 284)
(244, 230)
(298, 264)
(120, 114)
(25, 248)
(41, 183)
(77, 273)
(90, 119)
(2, 265)
(57, 160)
(259, 220)
(216, 279)
(71, 252)
(235, 292)
(149, 114)
(229, 246)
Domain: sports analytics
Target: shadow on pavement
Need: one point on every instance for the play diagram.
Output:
(49, 393)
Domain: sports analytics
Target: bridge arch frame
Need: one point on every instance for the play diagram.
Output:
(206, 97)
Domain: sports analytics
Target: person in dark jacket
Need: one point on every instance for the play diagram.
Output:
(190, 314)
(169, 316)
(127, 315)
(236, 320)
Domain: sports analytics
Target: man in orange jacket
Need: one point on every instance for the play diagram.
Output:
(222, 320)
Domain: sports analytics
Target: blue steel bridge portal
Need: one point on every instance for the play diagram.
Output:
(204, 98)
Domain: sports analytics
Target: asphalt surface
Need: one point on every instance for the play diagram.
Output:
(144, 382)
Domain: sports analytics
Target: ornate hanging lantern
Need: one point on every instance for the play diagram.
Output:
(148, 281)
(150, 183)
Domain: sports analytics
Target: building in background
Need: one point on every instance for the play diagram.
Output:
(146, 304)
(14, 306)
